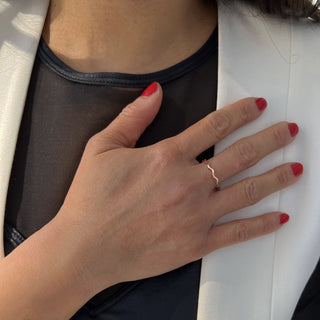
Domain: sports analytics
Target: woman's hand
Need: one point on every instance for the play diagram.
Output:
(136, 213)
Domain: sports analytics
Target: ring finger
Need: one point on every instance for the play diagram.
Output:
(251, 190)
(248, 151)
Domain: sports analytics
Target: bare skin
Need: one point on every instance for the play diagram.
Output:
(127, 36)
(133, 213)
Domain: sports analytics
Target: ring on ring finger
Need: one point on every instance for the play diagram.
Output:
(217, 187)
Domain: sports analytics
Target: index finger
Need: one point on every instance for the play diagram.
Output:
(217, 125)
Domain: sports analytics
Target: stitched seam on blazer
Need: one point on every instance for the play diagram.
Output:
(282, 160)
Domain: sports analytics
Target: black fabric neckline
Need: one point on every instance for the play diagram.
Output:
(118, 79)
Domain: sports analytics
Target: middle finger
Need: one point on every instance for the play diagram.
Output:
(250, 191)
(248, 151)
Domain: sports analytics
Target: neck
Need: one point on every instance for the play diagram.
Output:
(129, 36)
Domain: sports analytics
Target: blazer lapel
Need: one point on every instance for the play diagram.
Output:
(20, 30)
(280, 60)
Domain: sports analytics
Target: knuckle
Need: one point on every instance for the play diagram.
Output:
(245, 113)
(220, 124)
(282, 177)
(130, 111)
(194, 244)
(250, 190)
(195, 250)
(165, 151)
(188, 248)
(92, 143)
(241, 232)
(131, 107)
(267, 225)
(279, 137)
(246, 152)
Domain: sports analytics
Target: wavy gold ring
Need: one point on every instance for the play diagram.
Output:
(213, 175)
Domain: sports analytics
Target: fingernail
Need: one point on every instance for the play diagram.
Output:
(261, 104)
(297, 169)
(284, 218)
(150, 90)
(293, 128)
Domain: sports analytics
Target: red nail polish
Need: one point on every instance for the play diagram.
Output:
(150, 90)
(293, 128)
(284, 218)
(261, 104)
(297, 169)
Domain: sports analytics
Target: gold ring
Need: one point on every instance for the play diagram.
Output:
(213, 175)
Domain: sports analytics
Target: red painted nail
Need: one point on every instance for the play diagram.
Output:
(297, 169)
(284, 218)
(150, 90)
(293, 128)
(261, 104)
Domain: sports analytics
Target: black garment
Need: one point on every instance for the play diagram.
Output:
(64, 108)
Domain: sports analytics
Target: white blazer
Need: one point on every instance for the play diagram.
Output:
(258, 56)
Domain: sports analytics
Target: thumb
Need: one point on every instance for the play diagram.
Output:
(128, 126)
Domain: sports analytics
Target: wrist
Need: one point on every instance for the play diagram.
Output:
(92, 274)
(41, 280)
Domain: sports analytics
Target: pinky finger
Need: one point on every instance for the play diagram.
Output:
(244, 229)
